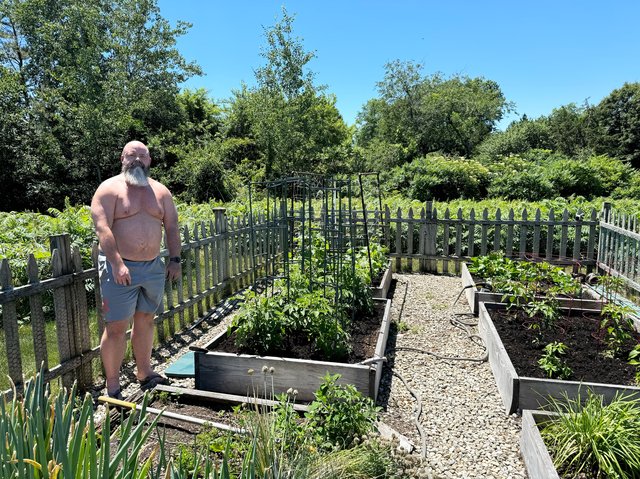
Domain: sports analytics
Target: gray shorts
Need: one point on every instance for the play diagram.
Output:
(143, 295)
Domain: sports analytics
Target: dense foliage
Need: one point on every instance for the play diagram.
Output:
(79, 79)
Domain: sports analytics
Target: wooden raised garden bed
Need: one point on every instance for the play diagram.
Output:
(475, 295)
(228, 372)
(382, 290)
(521, 392)
(534, 451)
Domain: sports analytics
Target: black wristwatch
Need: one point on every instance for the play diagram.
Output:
(175, 259)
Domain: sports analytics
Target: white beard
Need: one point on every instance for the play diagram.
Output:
(136, 176)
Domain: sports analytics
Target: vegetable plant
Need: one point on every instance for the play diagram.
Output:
(340, 413)
(617, 325)
(551, 362)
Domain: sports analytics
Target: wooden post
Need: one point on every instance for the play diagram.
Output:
(399, 240)
(61, 265)
(445, 242)
(523, 234)
(37, 318)
(10, 326)
(497, 239)
(430, 236)
(83, 337)
(410, 241)
(483, 232)
(223, 246)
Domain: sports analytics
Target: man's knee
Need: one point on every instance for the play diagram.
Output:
(115, 329)
(143, 318)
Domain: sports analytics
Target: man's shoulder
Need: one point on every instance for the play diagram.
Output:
(111, 185)
(158, 187)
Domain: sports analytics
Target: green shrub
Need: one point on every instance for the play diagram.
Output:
(530, 184)
(339, 413)
(594, 176)
(440, 178)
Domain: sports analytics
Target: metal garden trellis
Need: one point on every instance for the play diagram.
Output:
(323, 246)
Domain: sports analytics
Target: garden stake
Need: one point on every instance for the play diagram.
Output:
(181, 417)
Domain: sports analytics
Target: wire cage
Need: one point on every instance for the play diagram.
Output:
(312, 224)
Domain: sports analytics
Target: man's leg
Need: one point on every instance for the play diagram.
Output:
(113, 346)
(142, 343)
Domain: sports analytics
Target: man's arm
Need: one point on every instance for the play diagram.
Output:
(103, 207)
(174, 245)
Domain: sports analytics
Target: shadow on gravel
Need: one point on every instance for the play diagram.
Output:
(387, 370)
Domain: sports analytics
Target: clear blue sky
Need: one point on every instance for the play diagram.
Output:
(542, 53)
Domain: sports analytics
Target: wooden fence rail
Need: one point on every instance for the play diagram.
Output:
(224, 255)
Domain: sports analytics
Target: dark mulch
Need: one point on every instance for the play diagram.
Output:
(579, 332)
(364, 336)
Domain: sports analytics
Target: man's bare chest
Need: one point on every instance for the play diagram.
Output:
(138, 203)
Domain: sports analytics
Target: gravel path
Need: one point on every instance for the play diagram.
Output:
(467, 432)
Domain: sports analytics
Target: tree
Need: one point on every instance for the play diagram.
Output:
(519, 137)
(568, 128)
(617, 124)
(295, 125)
(93, 74)
(427, 114)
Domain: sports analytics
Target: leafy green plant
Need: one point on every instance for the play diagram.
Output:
(552, 364)
(634, 360)
(617, 325)
(546, 309)
(612, 285)
(594, 438)
(54, 435)
(339, 413)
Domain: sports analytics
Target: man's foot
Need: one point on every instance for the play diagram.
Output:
(152, 381)
(116, 395)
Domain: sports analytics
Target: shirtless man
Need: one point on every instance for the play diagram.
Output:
(129, 211)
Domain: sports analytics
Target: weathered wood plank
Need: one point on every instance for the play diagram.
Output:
(578, 237)
(229, 373)
(445, 241)
(198, 271)
(497, 238)
(459, 238)
(422, 240)
(222, 398)
(189, 275)
(37, 318)
(63, 318)
(564, 232)
(410, 241)
(523, 235)
(472, 235)
(534, 451)
(483, 232)
(536, 234)
(398, 240)
(501, 365)
(431, 237)
(207, 272)
(85, 375)
(550, 233)
(10, 327)
(509, 245)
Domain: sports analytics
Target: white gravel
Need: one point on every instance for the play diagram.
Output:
(468, 434)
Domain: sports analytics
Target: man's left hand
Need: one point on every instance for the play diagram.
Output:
(174, 270)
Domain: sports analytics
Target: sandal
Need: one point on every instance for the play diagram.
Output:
(152, 381)
(116, 395)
